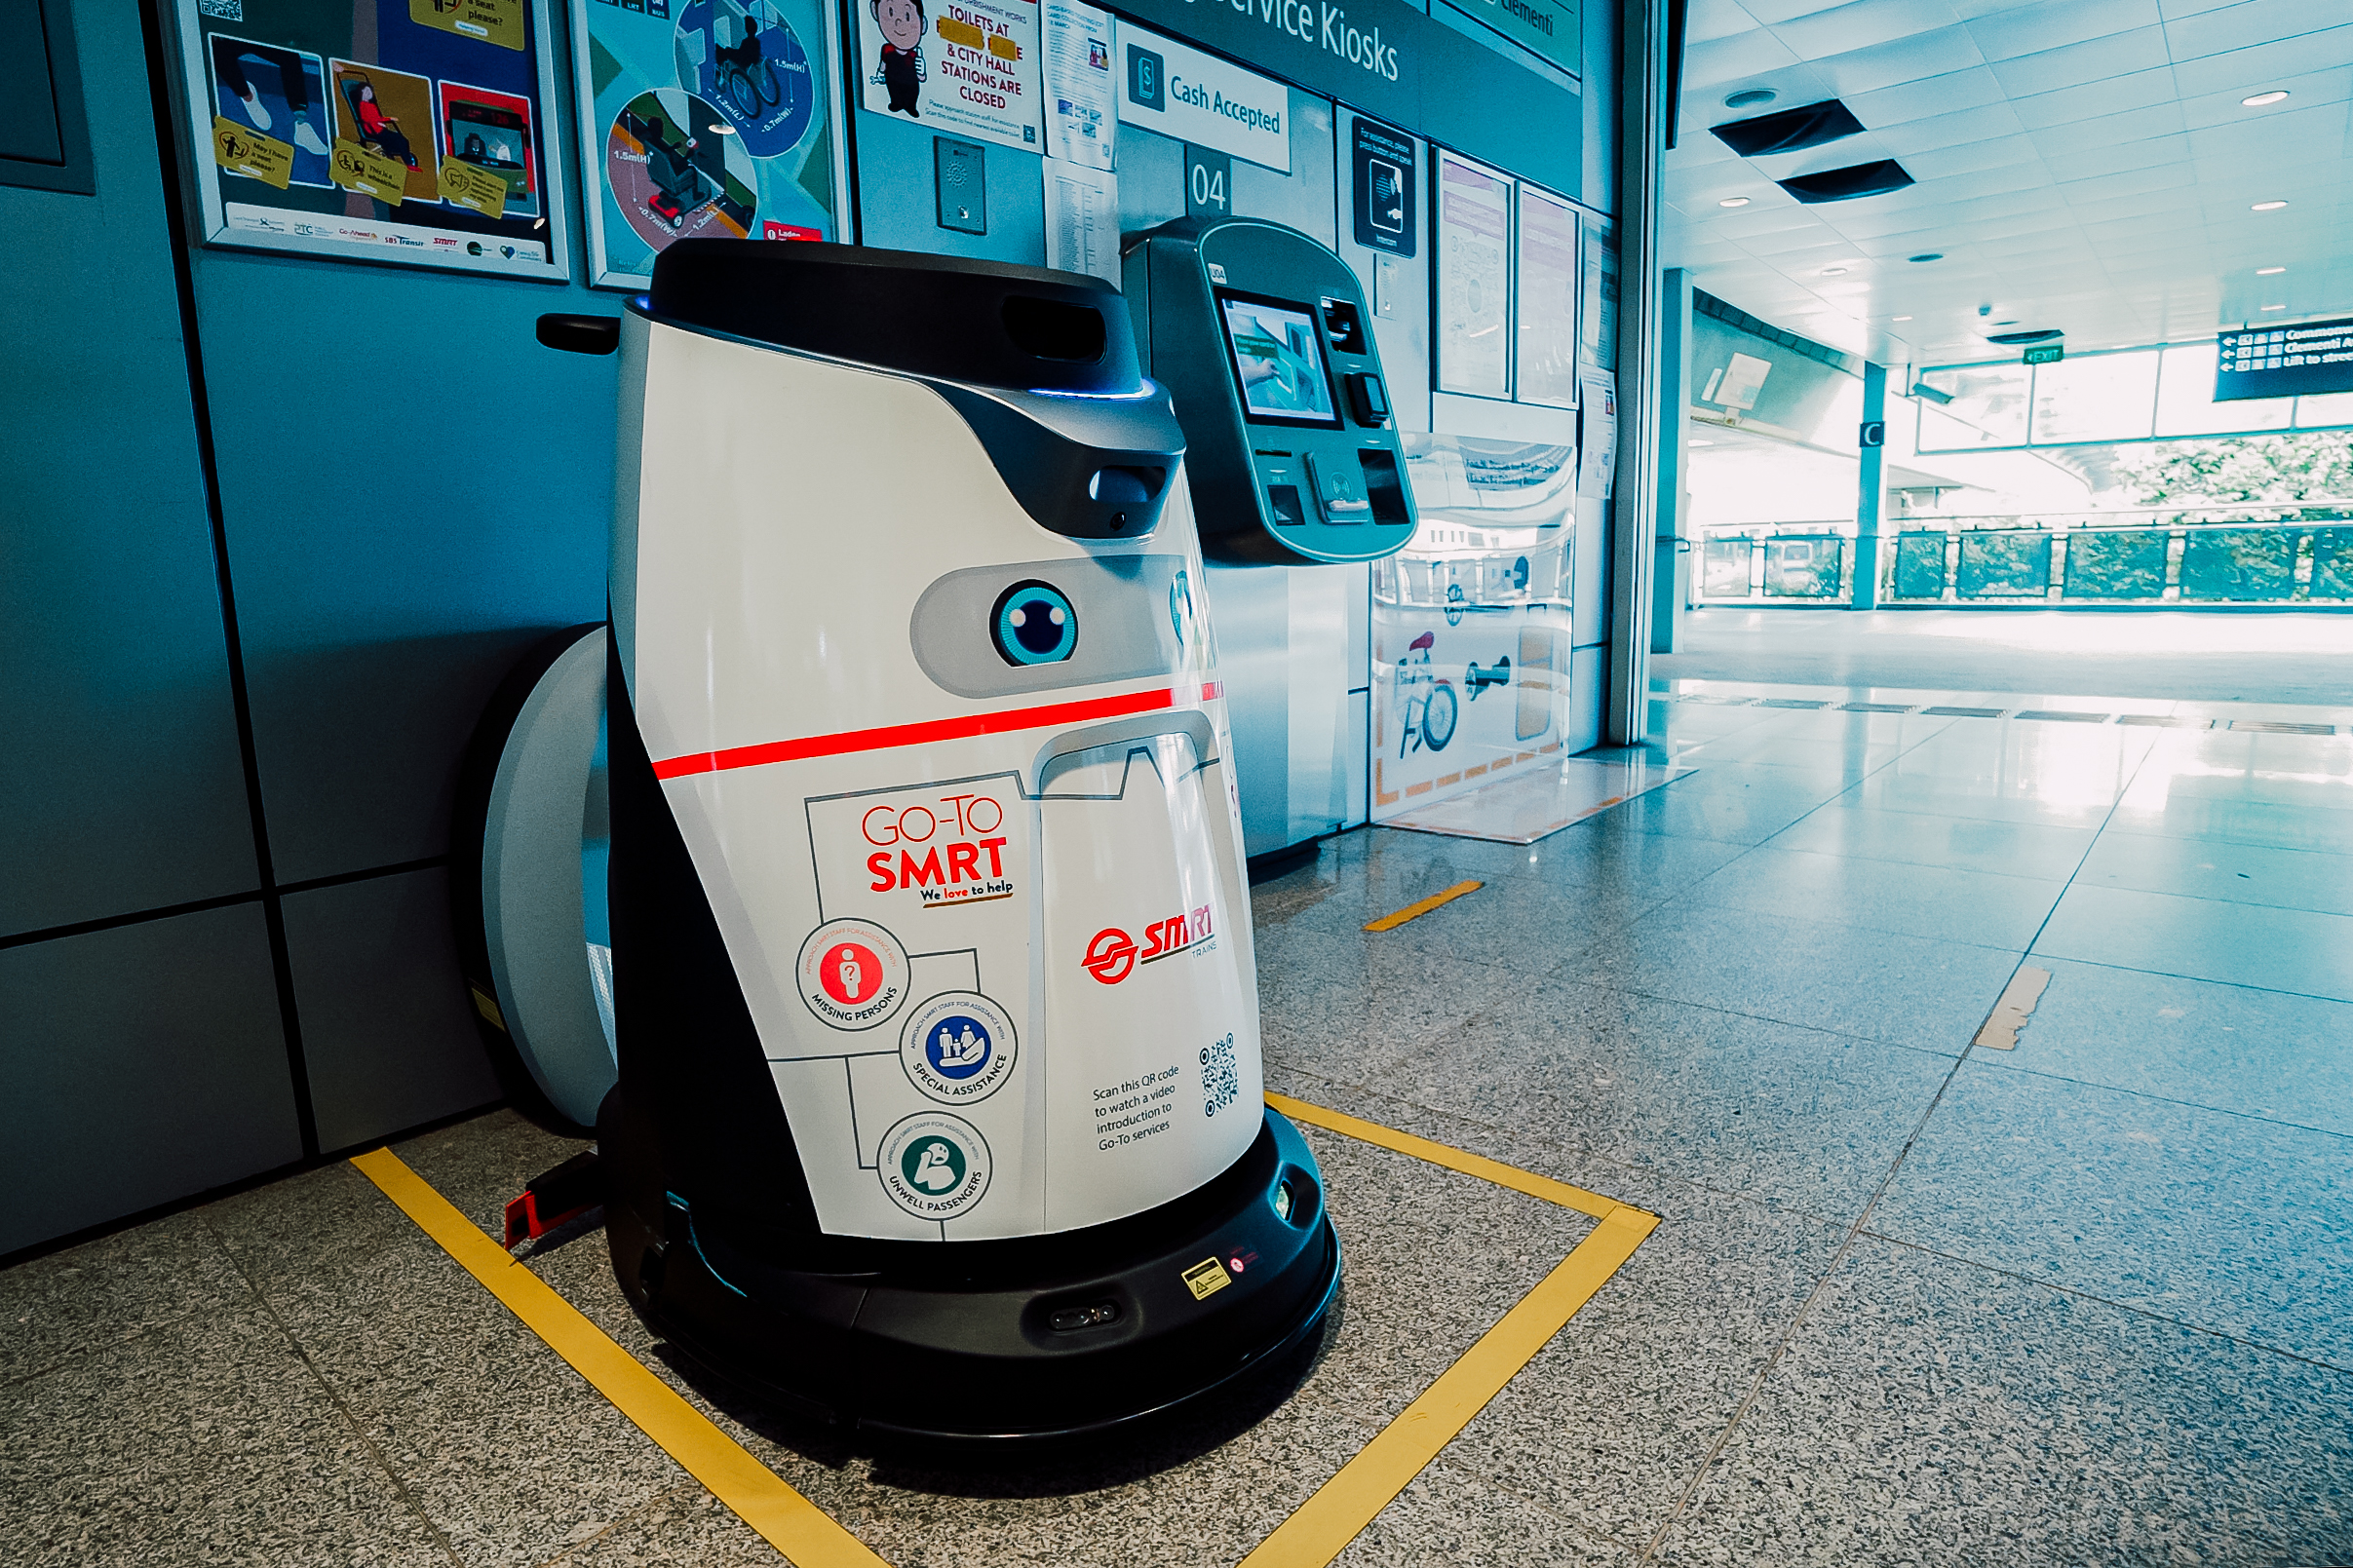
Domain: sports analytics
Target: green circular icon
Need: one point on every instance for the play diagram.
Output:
(933, 1165)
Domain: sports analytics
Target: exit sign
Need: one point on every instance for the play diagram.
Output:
(2047, 354)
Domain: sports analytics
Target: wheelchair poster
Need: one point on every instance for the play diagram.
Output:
(705, 117)
(411, 131)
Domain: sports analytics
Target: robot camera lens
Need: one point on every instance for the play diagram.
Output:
(1035, 624)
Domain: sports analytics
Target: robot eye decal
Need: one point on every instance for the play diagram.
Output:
(1034, 625)
(1181, 606)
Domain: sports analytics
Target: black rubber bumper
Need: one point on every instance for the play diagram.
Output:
(1047, 1336)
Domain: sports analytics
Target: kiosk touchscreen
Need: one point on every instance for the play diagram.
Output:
(1264, 339)
(935, 1010)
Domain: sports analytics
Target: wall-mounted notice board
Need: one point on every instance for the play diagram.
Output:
(718, 118)
(416, 132)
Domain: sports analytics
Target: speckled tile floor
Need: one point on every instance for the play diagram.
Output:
(1911, 1301)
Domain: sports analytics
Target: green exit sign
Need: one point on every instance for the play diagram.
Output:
(2047, 354)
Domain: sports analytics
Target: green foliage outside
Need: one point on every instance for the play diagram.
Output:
(2305, 466)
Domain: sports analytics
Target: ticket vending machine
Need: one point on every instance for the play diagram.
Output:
(1264, 339)
(938, 1096)
(1294, 460)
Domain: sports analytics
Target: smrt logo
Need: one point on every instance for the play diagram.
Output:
(1112, 954)
(911, 838)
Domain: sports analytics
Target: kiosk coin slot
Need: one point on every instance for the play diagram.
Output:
(1259, 334)
(936, 1015)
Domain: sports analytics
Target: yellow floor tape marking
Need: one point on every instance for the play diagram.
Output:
(1453, 1159)
(1314, 1532)
(1322, 1527)
(1414, 911)
(2014, 1010)
(1337, 1511)
(786, 1520)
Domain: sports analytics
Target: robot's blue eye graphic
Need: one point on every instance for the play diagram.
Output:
(1035, 624)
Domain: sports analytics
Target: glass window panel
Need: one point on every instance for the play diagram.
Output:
(2103, 397)
(2324, 411)
(2186, 399)
(1988, 408)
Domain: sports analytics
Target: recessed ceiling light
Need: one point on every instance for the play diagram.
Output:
(2267, 207)
(1754, 95)
(2269, 272)
(1733, 201)
(2275, 307)
(1696, 442)
(2262, 100)
(1927, 255)
(1832, 272)
(1903, 317)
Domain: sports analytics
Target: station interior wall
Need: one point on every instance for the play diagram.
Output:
(225, 945)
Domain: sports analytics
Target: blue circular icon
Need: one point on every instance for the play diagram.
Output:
(1181, 606)
(1035, 624)
(958, 1047)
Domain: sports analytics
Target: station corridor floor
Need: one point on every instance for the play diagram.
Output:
(1909, 1300)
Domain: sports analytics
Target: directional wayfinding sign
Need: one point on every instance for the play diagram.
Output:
(2284, 361)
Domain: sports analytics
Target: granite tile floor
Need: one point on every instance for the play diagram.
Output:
(1910, 1300)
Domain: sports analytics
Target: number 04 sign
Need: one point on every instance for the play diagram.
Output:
(423, 139)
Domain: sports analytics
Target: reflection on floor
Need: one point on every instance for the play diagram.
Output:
(1542, 800)
(2080, 1302)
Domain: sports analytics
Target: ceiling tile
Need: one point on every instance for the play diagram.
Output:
(2093, 99)
(2109, 130)
(1726, 59)
(2334, 85)
(2141, 50)
(2262, 64)
(2087, 161)
(1949, 129)
(2214, 32)
(1906, 60)
(1927, 98)
(1970, 158)
(2027, 29)
(1863, 24)
(1707, 20)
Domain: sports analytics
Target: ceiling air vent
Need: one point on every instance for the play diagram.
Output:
(1790, 131)
(2041, 335)
(1846, 184)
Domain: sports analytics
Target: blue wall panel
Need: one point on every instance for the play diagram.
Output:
(386, 1028)
(415, 489)
(123, 790)
(138, 1066)
(898, 196)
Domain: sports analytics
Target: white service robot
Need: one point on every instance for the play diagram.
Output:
(939, 1104)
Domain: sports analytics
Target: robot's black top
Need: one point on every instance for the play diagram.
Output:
(983, 322)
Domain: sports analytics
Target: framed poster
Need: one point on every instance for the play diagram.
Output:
(968, 68)
(1545, 366)
(1474, 278)
(414, 132)
(717, 118)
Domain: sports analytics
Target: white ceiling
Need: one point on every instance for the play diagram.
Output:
(2082, 164)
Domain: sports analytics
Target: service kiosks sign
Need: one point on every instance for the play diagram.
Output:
(408, 131)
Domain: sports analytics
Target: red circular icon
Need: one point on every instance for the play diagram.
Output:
(1111, 955)
(850, 972)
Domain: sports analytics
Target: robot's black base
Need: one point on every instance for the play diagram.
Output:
(986, 1340)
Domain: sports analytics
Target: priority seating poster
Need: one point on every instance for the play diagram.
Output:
(704, 117)
(413, 132)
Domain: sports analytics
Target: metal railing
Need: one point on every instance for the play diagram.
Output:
(2252, 554)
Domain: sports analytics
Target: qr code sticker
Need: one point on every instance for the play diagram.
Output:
(1220, 1086)
(222, 9)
